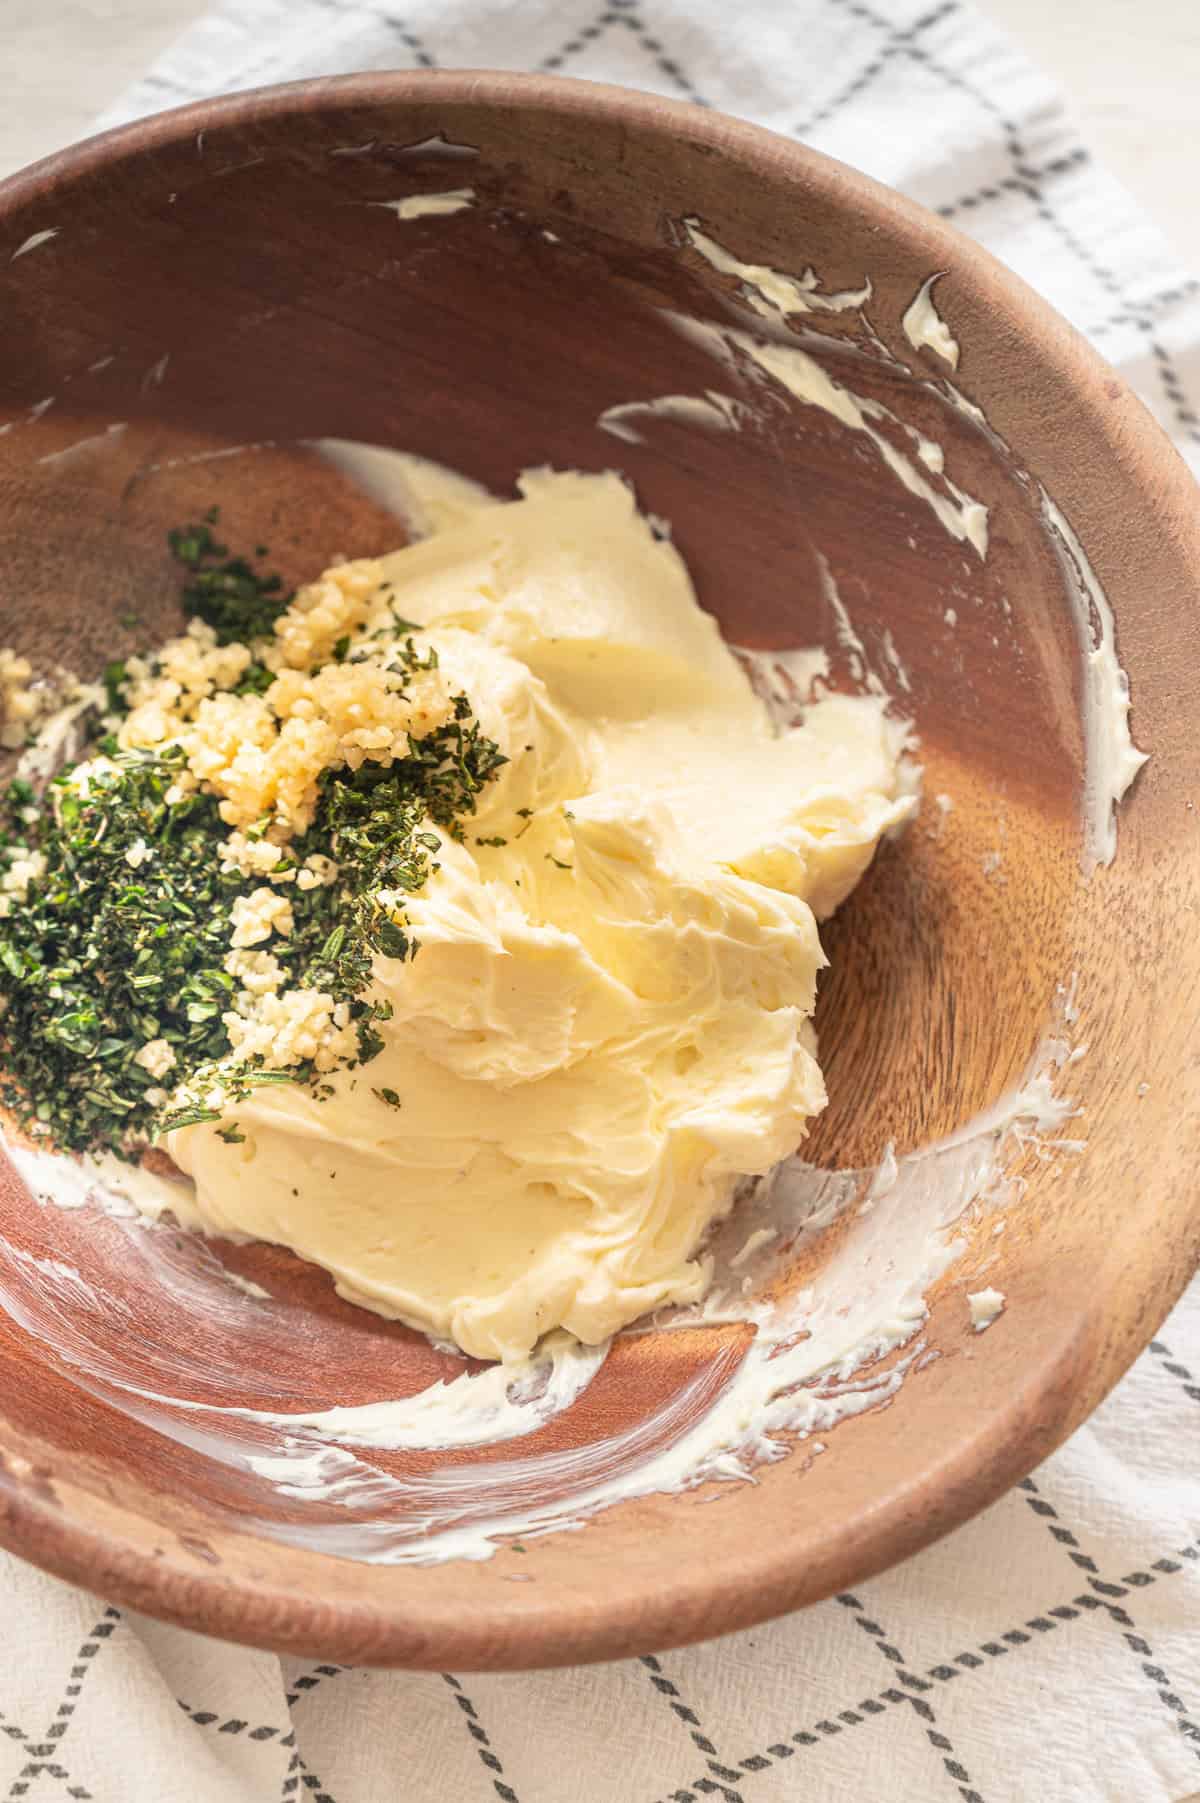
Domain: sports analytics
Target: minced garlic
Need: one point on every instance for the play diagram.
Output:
(264, 754)
(28, 702)
(257, 915)
(184, 673)
(18, 702)
(291, 1027)
(325, 611)
(156, 1056)
(21, 872)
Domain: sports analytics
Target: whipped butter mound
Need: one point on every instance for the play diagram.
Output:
(607, 1022)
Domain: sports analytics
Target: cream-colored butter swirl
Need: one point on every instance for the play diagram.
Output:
(607, 1024)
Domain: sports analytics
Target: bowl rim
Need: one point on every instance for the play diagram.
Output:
(757, 1582)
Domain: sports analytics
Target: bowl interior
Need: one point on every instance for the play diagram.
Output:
(221, 297)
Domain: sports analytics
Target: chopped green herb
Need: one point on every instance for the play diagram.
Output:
(89, 945)
(226, 592)
(559, 862)
(256, 680)
(496, 839)
(114, 675)
(387, 1095)
(113, 987)
(231, 1135)
(188, 1117)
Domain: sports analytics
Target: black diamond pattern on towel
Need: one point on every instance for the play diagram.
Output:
(483, 1745)
(939, 1741)
(724, 1776)
(618, 16)
(44, 1759)
(1191, 1386)
(954, 1665)
(1110, 1592)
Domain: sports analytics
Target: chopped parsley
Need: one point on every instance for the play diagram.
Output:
(226, 592)
(256, 680)
(114, 675)
(101, 959)
(113, 986)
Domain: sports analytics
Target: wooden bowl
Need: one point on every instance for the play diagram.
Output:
(187, 302)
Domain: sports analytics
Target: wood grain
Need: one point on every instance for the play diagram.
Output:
(235, 241)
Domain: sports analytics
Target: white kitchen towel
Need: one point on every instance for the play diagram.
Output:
(1049, 1652)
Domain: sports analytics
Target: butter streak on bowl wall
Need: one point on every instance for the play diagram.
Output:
(228, 284)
